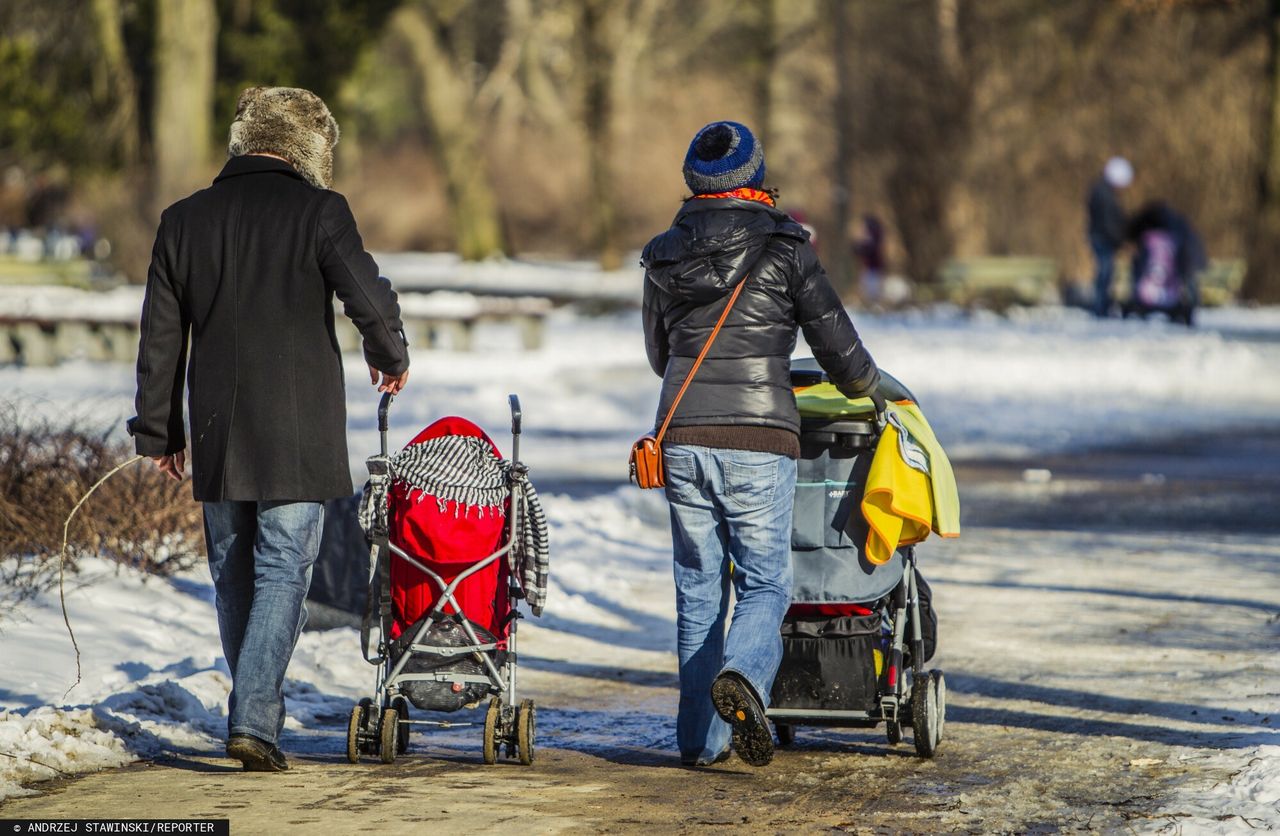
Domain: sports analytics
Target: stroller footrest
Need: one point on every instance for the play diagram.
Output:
(441, 677)
(452, 651)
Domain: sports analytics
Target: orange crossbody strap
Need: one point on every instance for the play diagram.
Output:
(696, 363)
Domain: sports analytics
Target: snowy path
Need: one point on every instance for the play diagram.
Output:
(1108, 667)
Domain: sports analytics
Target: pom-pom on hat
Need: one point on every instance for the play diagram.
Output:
(289, 122)
(722, 157)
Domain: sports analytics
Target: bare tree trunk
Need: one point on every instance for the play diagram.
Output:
(835, 242)
(1262, 282)
(186, 36)
(597, 118)
(455, 132)
(114, 81)
(764, 65)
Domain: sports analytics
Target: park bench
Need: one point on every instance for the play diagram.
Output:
(999, 282)
(45, 325)
(1221, 281)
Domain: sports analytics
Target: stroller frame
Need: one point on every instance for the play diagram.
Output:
(922, 708)
(380, 724)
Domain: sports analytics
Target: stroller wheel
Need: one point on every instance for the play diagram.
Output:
(786, 734)
(389, 736)
(491, 741)
(940, 687)
(924, 716)
(525, 727)
(356, 725)
(401, 705)
(893, 731)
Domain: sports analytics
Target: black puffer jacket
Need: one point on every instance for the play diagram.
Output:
(691, 269)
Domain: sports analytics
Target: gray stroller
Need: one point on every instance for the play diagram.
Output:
(857, 636)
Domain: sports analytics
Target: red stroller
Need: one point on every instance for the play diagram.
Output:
(457, 538)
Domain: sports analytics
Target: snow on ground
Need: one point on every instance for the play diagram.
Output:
(1043, 381)
(1046, 380)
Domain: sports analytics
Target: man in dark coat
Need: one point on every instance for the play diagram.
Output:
(731, 448)
(1107, 227)
(248, 268)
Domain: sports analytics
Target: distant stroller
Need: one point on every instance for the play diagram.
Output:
(857, 636)
(457, 539)
(1166, 265)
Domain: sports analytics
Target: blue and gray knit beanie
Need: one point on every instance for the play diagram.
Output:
(722, 157)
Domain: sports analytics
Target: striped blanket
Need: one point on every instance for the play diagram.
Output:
(464, 472)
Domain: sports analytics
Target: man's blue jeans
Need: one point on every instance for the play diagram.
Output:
(1105, 256)
(730, 523)
(260, 556)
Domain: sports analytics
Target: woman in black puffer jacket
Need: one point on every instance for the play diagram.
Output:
(730, 451)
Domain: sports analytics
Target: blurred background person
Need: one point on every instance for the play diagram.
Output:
(1107, 227)
(869, 250)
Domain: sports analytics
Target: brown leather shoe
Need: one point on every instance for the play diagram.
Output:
(256, 755)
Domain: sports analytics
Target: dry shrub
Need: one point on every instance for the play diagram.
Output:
(138, 518)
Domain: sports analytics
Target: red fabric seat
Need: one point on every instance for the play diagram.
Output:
(447, 541)
(826, 610)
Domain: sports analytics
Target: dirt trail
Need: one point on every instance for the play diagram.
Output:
(984, 780)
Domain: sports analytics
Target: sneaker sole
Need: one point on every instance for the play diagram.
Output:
(752, 739)
(254, 757)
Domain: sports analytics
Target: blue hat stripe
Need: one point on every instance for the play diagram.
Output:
(743, 165)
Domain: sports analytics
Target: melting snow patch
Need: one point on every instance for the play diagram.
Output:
(49, 743)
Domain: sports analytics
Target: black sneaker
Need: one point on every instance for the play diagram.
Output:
(256, 755)
(736, 703)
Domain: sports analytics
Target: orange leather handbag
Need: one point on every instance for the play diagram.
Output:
(646, 454)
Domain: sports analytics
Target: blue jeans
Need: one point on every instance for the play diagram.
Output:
(1105, 256)
(730, 523)
(260, 556)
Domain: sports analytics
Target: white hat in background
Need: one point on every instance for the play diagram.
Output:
(1118, 172)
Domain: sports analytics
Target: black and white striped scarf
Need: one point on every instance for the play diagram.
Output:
(464, 470)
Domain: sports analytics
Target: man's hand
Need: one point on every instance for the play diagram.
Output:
(172, 466)
(392, 383)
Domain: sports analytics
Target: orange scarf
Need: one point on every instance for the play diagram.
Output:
(744, 194)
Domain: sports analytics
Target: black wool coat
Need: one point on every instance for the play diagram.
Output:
(690, 272)
(248, 269)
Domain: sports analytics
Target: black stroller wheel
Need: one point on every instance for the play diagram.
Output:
(940, 689)
(389, 735)
(924, 716)
(526, 723)
(491, 718)
(786, 734)
(354, 726)
(401, 705)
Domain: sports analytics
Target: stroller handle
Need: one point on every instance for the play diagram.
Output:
(516, 414)
(383, 406)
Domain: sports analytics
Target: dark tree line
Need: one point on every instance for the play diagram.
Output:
(558, 125)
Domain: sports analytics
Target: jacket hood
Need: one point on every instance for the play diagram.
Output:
(712, 245)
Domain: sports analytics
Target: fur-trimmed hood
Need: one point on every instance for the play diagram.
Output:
(289, 122)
